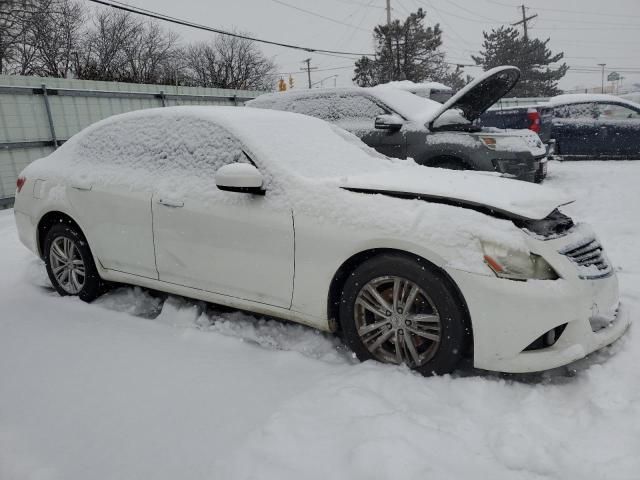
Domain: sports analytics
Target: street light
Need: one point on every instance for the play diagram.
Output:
(602, 84)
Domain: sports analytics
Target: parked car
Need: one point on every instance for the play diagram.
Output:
(402, 125)
(595, 126)
(289, 216)
(537, 118)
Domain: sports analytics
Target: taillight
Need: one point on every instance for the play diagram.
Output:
(534, 120)
(20, 183)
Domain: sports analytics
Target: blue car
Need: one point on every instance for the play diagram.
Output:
(595, 126)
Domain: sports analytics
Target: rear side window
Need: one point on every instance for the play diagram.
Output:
(161, 145)
(333, 108)
(357, 107)
(578, 111)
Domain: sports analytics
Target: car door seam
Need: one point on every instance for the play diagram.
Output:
(153, 236)
(293, 279)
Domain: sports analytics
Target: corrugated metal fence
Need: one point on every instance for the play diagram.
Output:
(39, 114)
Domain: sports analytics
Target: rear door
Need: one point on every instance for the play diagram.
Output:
(117, 222)
(622, 125)
(113, 208)
(576, 130)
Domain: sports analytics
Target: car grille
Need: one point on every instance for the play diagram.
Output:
(590, 258)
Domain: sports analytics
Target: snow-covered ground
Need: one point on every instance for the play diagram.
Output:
(136, 386)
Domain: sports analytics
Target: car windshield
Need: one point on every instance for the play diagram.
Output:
(304, 146)
(407, 104)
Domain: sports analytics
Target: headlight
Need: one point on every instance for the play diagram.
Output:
(489, 142)
(517, 265)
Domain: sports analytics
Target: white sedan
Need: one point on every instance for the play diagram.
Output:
(286, 215)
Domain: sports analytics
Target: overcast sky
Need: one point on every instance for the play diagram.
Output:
(588, 31)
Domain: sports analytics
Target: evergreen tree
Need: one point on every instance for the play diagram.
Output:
(366, 72)
(505, 46)
(404, 51)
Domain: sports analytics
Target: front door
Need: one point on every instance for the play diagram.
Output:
(622, 125)
(576, 130)
(234, 244)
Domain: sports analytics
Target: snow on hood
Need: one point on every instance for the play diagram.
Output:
(477, 96)
(412, 86)
(510, 197)
(463, 107)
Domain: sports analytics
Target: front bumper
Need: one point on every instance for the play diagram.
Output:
(521, 166)
(507, 316)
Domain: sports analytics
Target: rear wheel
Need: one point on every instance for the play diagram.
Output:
(395, 309)
(451, 164)
(70, 265)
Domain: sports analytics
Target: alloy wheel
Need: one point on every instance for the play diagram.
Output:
(67, 265)
(397, 321)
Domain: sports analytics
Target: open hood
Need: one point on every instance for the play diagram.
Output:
(488, 193)
(477, 96)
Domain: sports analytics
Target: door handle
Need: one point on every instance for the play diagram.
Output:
(81, 186)
(171, 203)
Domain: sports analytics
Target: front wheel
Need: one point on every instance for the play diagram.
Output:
(396, 309)
(70, 265)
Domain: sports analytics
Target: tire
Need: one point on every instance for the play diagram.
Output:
(452, 165)
(65, 245)
(434, 325)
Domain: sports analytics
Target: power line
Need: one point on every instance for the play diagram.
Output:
(328, 69)
(362, 4)
(186, 23)
(524, 21)
(575, 12)
(309, 12)
(494, 20)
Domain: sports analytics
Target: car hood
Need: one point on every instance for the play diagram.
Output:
(477, 96)
(486, 192)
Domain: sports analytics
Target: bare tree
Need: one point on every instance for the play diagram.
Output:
(150, 53)
(104, 55)
(14, 15)
(229, 62)
(55, 37)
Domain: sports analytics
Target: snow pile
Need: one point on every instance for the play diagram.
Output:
(185, 390)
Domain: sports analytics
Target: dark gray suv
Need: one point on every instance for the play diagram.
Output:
(400, 124)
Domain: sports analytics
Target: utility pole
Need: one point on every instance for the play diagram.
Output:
(388, 12)
(524, 21)
(308, 68)
(602, 83)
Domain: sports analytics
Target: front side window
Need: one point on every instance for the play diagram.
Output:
(614, 111)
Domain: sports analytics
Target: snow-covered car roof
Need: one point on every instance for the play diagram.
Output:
(410, 86)
(415, 109)
(289, 144)
(571, 98)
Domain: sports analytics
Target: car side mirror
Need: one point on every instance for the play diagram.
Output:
(391, 122)
(240, 177)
